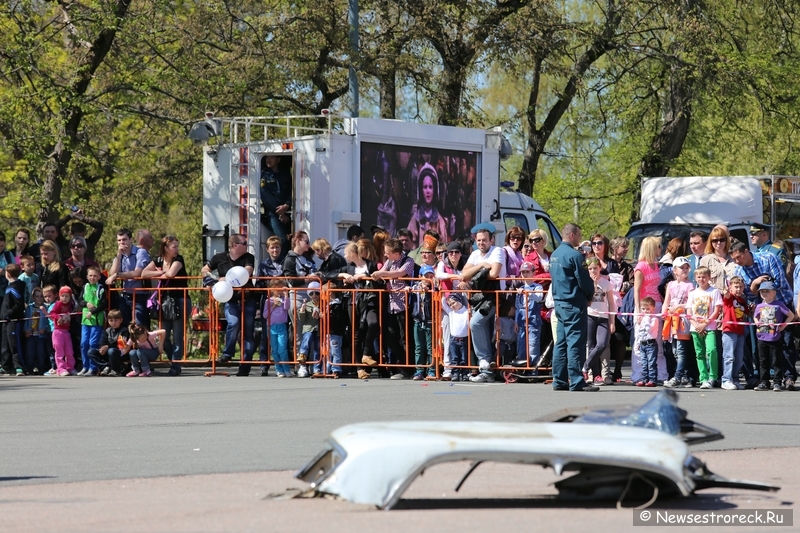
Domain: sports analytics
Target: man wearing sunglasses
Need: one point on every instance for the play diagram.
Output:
(236, 310)
(759, 237)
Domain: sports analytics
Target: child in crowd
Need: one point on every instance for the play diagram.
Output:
(114, 340)
(308, 315)
(92, 302)
(734, 311)
(143, 348)
(29, 276)
(12, 312)
(37, 326)
(62, 341)
(528, 316)
(705, 306)
(276, 316)
(50, 294)
(600, 326)
(676, 324)
(6, 258)
(770, 316)
(455, 306)
(339, 320)
(646, 343)
(421, 312)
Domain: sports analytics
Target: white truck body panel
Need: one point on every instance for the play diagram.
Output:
(702, 200)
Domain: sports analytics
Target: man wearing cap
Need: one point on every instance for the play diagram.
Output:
(572, 290)
(759, 237)
(354, 233)
(755, 269)
(483, 226)
(481, 325)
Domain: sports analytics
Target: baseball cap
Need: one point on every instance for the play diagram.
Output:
(426, 269)
(483, 226)
(766, 286)
(313, 287)
(526, 266)
(453, 246)
(679, 262)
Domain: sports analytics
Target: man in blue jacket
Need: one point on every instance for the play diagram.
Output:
(572, 290)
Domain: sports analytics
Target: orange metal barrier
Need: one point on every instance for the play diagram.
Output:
(208, 318)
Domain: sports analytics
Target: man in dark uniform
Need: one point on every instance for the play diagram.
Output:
(759, 237)
(276, 196)
(572, 290)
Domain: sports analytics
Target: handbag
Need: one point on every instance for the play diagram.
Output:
(165, 307)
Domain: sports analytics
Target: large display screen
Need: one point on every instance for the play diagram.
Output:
(418, 189)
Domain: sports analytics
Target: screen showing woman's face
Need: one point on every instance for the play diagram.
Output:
(427, 189)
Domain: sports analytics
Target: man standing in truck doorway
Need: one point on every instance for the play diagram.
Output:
(759, 237)
(276, 196)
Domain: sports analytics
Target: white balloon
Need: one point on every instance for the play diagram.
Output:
(237, 276)
(222, 291)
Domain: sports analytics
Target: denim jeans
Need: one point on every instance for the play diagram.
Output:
(681, 349)
(335, 342)
(569, 350)
(142, 314)
(90, 339)
(233, 314)
(423, 340)
(279, 229)
(481, 328)
(309, 346)
(36, 353)
(648, 354)
(142, 357)
(176, 331)
(732, 356)
(459, 346)
(528, 341)
(279, 343)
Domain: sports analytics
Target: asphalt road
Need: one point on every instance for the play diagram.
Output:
(57, 430)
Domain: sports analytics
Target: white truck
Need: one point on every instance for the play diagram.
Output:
(361, 171)
(673, 207)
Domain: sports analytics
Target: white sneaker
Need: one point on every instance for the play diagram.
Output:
(706, 385)
(302, 372)
(83, 372)
(729, 386)
(483, 377)
(674, 382)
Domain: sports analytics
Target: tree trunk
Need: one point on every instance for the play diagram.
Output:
(451, 91)
(667, 143)
(388, 94)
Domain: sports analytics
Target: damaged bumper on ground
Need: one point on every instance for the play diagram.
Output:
(612, 452)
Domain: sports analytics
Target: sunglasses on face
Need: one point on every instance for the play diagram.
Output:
(77, 246)
(515, 238)
(535, 240)
(598, 243)
(718, 241)
(454, 252)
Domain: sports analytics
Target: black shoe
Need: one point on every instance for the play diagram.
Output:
(761, 386)
(243, 373)
(224, 360)
(264, 372)
(174, 371)
(588, 388)
(561, 388)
